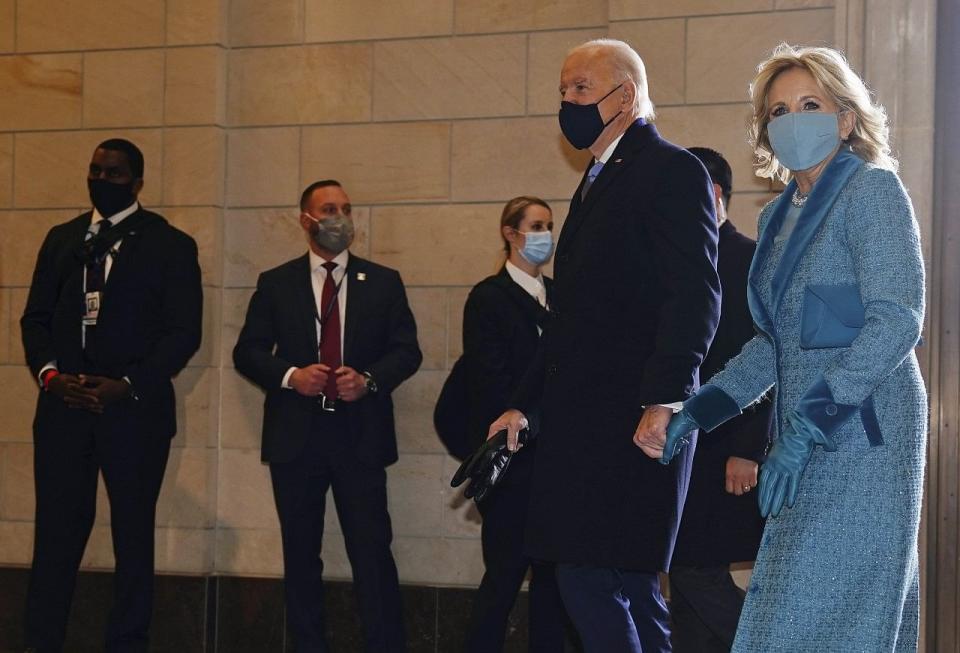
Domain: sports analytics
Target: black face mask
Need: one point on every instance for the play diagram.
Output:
(582, 124)
(109, 198)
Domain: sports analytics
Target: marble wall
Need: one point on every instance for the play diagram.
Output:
(431, 112)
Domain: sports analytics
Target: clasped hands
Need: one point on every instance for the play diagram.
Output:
(312, 379)
(88, 391)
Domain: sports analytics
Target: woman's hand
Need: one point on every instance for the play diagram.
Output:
(741, 475)
(512, 420)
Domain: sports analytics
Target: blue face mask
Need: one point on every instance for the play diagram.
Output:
(538, 246)
(802, 140)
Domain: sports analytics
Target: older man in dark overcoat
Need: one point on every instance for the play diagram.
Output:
(636, 306)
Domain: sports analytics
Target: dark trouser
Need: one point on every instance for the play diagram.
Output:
(360, 493)
(615, 610)
(504, 513)
(705, 605)
(70, 448)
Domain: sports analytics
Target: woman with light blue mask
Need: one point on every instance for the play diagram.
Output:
(836, 291)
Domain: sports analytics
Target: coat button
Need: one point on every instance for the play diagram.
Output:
(831, 410)
(552, 369)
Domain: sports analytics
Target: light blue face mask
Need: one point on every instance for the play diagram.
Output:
(802, 140)
(538, 246)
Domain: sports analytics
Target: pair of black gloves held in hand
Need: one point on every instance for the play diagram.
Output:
(486, 466)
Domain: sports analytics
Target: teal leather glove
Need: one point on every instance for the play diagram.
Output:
(679, 431)
(780, 474)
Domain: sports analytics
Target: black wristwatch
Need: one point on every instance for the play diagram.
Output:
(370, 384)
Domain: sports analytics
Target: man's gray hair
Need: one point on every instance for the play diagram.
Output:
(627, 65)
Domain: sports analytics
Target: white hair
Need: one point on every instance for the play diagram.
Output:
(627, 65)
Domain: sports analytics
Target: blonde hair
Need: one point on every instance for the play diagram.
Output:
(513, 213)
(627, 65)
(870, 136)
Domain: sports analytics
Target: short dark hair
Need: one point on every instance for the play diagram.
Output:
(308, 191)
(134, 155)
(719, 169)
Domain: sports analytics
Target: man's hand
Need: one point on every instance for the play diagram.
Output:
(104, 390)
(351, 385)
(512, 420)
(310, 380)
(651, 433)
(741, 475)
(69, 387)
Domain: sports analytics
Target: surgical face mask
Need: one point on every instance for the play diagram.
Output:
(537, 246)
(109, 198)
(582, 124)
(802, 140)
(333, 234)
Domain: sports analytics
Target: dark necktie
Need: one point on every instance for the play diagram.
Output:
(330, 330)
(592, 175)
(97, 269)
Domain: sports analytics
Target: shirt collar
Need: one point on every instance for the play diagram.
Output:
(316, 261)
(116, 217)
(533, 285)
(607, 153)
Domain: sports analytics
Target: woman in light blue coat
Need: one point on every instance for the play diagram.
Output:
(836, 291)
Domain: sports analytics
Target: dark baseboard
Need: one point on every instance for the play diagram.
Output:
(227, 614)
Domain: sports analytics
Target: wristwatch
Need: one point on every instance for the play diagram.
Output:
(370, 384)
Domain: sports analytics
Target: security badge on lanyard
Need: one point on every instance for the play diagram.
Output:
(92, 307)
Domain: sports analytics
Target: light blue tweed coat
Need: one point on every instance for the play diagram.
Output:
(838, 572)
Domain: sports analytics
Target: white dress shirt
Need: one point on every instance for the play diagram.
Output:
(318, 276)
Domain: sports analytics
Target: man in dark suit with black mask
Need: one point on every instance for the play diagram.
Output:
(329, 336)
(636, 303)
(114, 312)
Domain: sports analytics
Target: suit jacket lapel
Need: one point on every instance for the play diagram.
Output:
(306, 302)
(357, 295)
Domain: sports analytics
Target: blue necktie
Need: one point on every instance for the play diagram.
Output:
(592, 175)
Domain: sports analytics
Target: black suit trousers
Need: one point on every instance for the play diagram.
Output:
(71, 448)
(328, 461)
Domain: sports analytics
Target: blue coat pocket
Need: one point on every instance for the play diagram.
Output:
(832, 316)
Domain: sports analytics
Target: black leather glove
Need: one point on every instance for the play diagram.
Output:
(487, 465)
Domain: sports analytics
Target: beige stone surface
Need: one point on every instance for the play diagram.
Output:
(6, 319)
(233, 314)
(302, 84)
(184, 550)
(745, 209)
(456, 300)
(89, 24)
(380, 162)
(626, 9)
(256, 240)
(18, 402)
(721, 127)
(413, 407)
(123, 88)
(463, 77)
(99, 551)
(661, 45)
(500, 159)
(460, 515)
(193, 165)
(24, 232)
(253, 22)
(249, 552)
(205, 225)
(723, 52)
(518, 15)
(437, 244)
(8, 27)
(188, 498)
(244, 494)
(195, 91)
(545, 56)
(263, 167)
(41, 91)
(17, 538)
(209, 351)
(332, 20)
(6, 170)
(415, 494)
(192, 22)
(802, 4)
(429, 306)
(438, 560)
(16, 482)
(50, 170)
(198, 401)
(241, 415)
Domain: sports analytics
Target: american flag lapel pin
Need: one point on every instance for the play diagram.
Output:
(361, 276)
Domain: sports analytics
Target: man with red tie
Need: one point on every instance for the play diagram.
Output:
(329, 336)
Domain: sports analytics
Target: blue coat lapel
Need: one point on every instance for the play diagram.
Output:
(818, 206)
